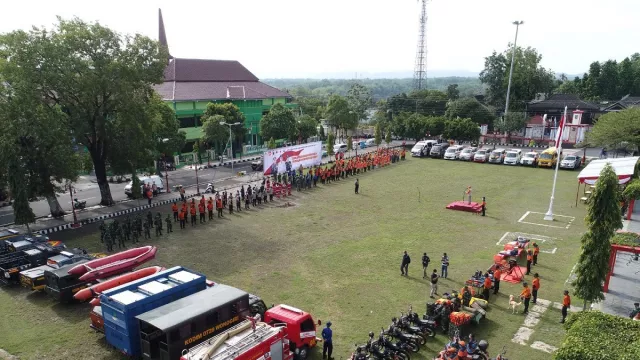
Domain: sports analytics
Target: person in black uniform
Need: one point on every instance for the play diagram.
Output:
(327, 337)
(404, 266)
(425, 265)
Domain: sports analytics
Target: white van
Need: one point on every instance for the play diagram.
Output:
(370, 142)
(453, 152)
(422, 148)
(339, 148)
(153, 179)
(513, 157)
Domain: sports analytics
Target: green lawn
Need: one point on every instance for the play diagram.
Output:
(337, 255)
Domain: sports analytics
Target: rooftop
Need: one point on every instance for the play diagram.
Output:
(559, 101)
(215, 90)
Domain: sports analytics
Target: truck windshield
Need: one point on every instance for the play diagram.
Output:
(546, 156)
(511, 155)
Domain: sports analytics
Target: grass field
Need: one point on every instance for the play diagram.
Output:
(337, 255)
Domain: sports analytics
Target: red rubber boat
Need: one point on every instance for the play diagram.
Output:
(97, 289)
(113, 264)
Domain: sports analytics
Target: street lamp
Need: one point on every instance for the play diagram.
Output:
(230, 139)
(513, 60)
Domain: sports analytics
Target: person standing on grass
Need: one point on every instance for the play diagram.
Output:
(193, 214)
(484, 206)
(210, 208)
(496, 279)
(231, 203)
(181, 216)
(327, 338)
(434, 283)
(201, 210)
(174, 209)
(486, 286)
(535, 286)
(357, 184)
(219, 207)
(536, 251)
(425, 265)
(566, 304)
(404, 266)
(238, 207)
(529, 260)
(149, 196)
(526, 296)
(445, 266)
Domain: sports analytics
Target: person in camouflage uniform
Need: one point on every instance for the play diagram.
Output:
(147, 230)
(108, 240)
(135, 235)
(150, 218)
(158, 224)
(126, 228)
(169, 224)
(138, 224)
(103, 231)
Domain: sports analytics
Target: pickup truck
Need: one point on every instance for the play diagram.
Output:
(571, 161)
(34, 278)
(256, 165)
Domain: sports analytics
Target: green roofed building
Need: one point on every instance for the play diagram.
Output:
(190, 84)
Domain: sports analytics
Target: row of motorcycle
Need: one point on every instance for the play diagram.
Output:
(408, 333)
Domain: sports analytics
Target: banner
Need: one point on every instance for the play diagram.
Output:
(277, 161)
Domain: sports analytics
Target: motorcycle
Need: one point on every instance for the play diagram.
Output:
(411, 340)
(398, 346)
(404, 324)
(210, 189)
(502, 354)
(472, 350)
(79, 205)
(359, 354)
(428, 326)
(379, 353)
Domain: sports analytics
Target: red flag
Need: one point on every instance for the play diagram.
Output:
(559, 133)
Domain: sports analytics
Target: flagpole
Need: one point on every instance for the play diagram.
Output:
(559, 133)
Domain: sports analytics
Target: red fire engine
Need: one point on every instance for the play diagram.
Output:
(246, 341)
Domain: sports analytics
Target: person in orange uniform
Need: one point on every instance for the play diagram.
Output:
(536, 251)
(201, 210)
(486, 286)
(529, 260)
(193, 214)
(535, 285)
(219, 207)
(202, 200)
(526, 296)
(174, 208)
(210, 208)
(566, 304)
(496, 279)
(182, 217)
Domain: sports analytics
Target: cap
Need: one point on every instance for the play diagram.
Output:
(328, 323)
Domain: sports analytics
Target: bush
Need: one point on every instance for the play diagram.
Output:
(596, 335)
(632, 191)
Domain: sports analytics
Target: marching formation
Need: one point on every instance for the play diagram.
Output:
(200, 211)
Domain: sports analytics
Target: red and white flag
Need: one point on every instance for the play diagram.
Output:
(560, 130)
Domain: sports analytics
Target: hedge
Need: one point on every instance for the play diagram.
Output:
(625, 238)
(593, 335)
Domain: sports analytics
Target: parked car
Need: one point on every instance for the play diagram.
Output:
(481, 156)
(529, 159)
(257, 164)
(438, 150)
(339, 148)
(513, 157)
(153, 179)
(497, 156)
(468, 153)
(453, 152)
(422, 148)
(370, 142)
(571, 161)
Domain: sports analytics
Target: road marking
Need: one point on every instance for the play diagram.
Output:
(571, 274)
(89, 198)
(539, 345)
(524, 216)
(571, 220)
(551, 226)
(502, 238)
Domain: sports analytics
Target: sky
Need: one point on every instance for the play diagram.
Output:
(359, 38)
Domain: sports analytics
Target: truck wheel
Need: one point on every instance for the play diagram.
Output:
(302, 353)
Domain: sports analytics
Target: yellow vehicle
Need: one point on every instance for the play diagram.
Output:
(548, 158)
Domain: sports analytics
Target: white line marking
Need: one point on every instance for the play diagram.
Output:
(502, 238)
(524, 216)
(539, 213)
(549, 251)
(571, 273)
(551, 226)
(539, 345)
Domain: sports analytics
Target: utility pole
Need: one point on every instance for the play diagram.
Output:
(230, 139)
(513, 60)
(420, 70)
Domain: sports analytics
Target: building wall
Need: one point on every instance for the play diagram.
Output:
(189, 113)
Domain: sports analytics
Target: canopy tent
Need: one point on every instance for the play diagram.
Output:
(624, 168)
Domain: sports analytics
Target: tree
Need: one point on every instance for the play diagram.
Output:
(230, 114)
(514, 121)
(199, 149)
(469, 108)
(378, 135)
(95, 75)
(388, 138)
(310, 105)
(306, 126)
(416, 127)
(359, 100)
(435, 125)
(279, 123)
(453, 93)
(321, 133)
(18, 184)
(529, 78)
(616, 127)
(136, 190)
(337, 113)
(271, 144)
(603, 218)
(349, 143)
(330, 140)
(213, 133)
(425, 102)
(461, 130)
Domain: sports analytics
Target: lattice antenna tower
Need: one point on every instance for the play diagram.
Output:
(420, 70)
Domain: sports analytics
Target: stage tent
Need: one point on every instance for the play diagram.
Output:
(623, 167)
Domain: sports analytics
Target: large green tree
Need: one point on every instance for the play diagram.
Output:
(95, 75)
(436, 125)
(416, 127)
(216, 135)
(615, 128)
(425, 102)
(514, 121)
(470, 108)
(337, 113)
(603, 218)
(461, 129)
(359, 100)
(306, 127)
(279, 123)
(378, 135)
(453, 93)
(529, 77)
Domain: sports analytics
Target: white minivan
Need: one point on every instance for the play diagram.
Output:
(370, 142)
(153, 179)
(453, 152)
(339, 148)
(422, 148)
(513, 157)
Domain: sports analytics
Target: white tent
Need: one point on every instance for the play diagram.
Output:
(623, 167)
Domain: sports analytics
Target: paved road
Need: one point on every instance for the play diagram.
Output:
(88, 191)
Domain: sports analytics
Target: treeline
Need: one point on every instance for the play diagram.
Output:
(608, 80)
(379, 88)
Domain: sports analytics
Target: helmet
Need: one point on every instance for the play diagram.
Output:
(371, 334)
(462, 343)
(483, 345)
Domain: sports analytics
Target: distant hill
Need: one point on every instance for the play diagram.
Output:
(387, 74)
(380, 88)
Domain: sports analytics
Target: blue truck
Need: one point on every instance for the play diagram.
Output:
(122, 304)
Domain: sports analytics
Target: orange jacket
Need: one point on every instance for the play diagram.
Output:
(182, 214)
(529, 257)
(536, 250)
(535, 283)
(526, 293)
(497, 274)
(210, 205)
(219, 203)
(193, 211)
(487, 283)
(201, 208)
(566, 301)
(174, 207)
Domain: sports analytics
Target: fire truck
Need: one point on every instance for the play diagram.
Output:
(249, 340)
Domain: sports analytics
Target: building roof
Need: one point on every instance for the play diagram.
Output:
(623, 167)
(559, 101)
(173, 314)
(217, 90)
(180, 69)
(625, 103)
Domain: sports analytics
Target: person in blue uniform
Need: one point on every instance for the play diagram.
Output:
(327, 337)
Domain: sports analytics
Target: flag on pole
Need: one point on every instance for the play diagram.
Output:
(559, 133)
